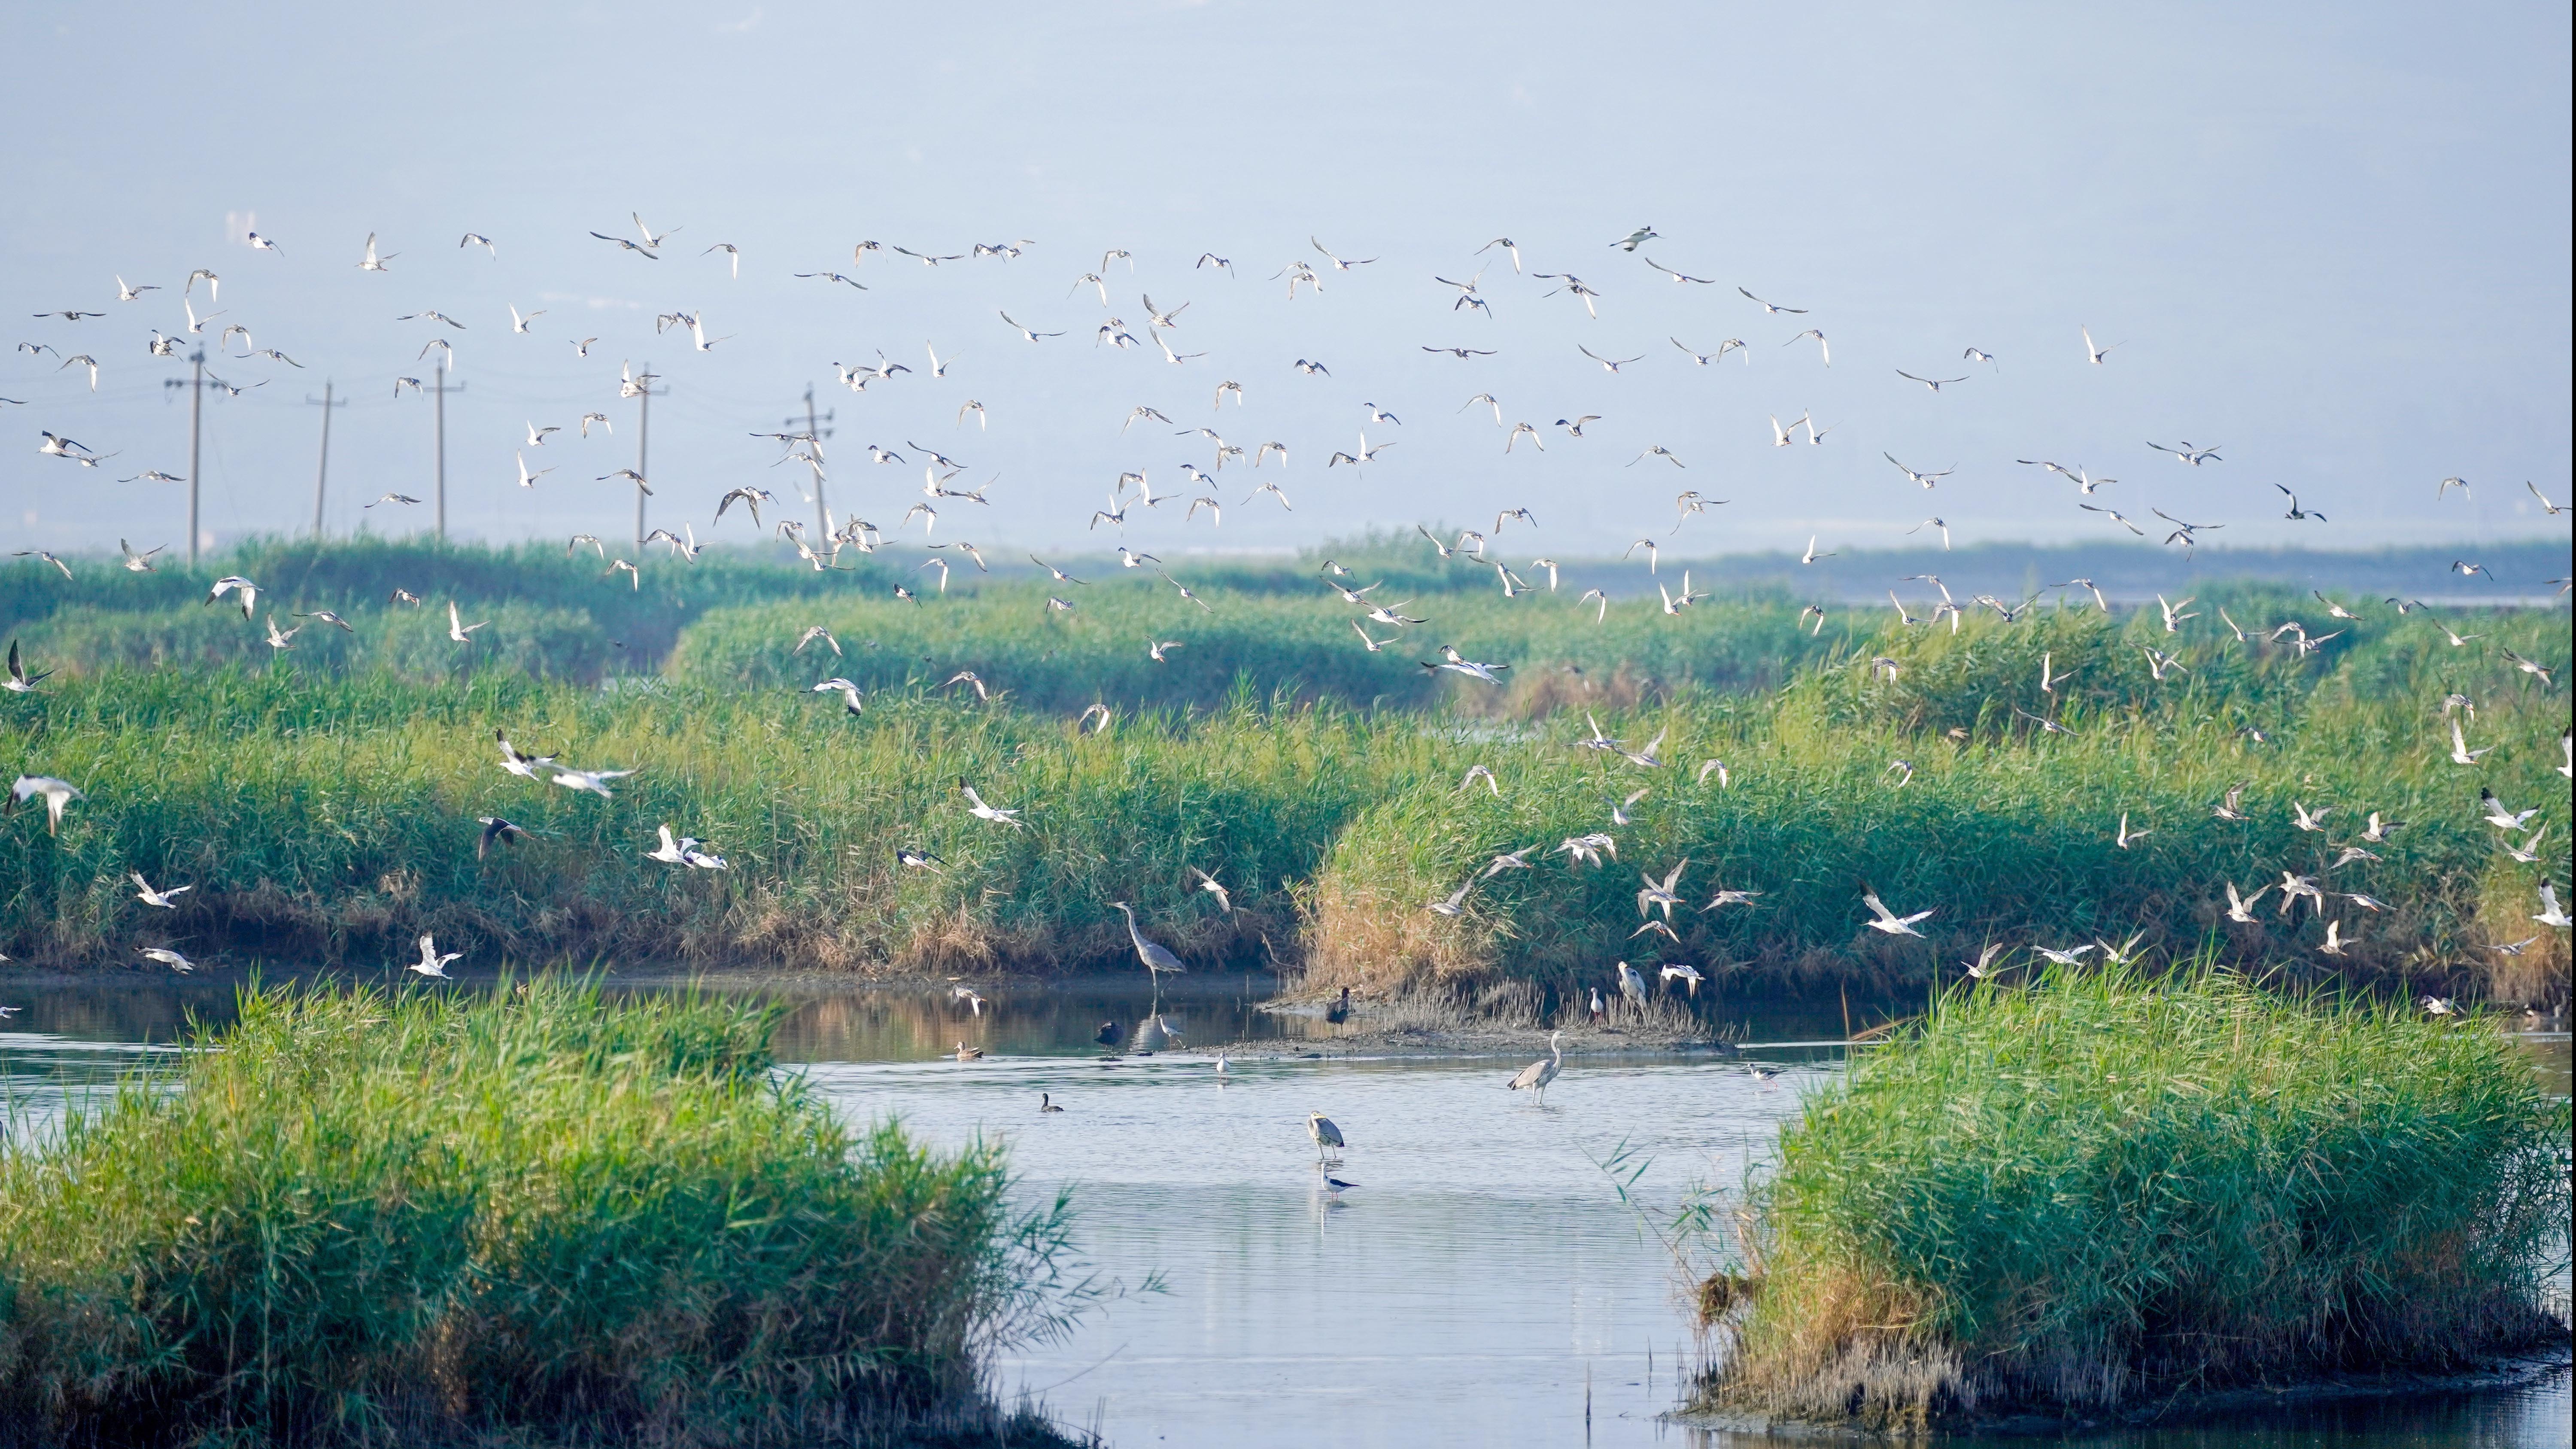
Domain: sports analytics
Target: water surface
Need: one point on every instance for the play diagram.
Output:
(1496, 1275)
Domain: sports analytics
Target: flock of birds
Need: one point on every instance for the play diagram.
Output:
(1133, 489)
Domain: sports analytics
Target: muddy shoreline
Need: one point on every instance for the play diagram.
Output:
(2513, 1372)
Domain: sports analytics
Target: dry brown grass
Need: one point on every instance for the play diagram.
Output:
(1850, 1352)
(2539, 975)
(1544, 690)
(1365, 939)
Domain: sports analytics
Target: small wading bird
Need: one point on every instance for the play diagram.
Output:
(1535, 1077)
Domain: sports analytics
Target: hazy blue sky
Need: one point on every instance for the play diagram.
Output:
(2334, 238)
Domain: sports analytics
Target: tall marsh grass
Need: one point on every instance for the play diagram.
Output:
(332, 816)
(1297, 644)
(550, 613)
(396, 1217)
(2092, 1195)
(1938, 789)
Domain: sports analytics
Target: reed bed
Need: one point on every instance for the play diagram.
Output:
(372, 1217)
(2089, 1197)
(1297, 644)
(549, 613)
(1938, 789)
(331, 817)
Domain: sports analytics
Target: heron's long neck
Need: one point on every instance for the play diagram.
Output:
(1132, 933)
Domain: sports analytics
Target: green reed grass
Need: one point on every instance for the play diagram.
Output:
(549, 613)
(333, 819)
(379, 1217)
(1298, 643)
(332, 816)
(2098, 1192)
(2006, 832)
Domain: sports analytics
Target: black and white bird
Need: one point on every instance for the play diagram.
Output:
(19, 680)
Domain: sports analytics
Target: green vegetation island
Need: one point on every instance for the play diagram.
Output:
(528, 1216)
(2101, 1199)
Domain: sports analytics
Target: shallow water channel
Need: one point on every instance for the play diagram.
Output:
(1483, 1280)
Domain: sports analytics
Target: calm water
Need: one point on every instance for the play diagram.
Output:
(1483, 1282)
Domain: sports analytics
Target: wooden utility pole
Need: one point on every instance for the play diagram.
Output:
(439, 390)
(322, 472)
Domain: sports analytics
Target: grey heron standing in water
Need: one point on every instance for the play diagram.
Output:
(1537, 1075)
(1327, 1136)
(1156, 959)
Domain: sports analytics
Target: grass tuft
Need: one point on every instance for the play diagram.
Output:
(2098, 1193)
(373, 1217)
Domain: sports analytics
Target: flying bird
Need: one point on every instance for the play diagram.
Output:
(1887, 920)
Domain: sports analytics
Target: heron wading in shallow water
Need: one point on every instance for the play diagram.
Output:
(1537, 1075)
(1157, 960)
(1328, 1138)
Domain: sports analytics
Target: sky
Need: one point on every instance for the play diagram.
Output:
(2332, 239)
